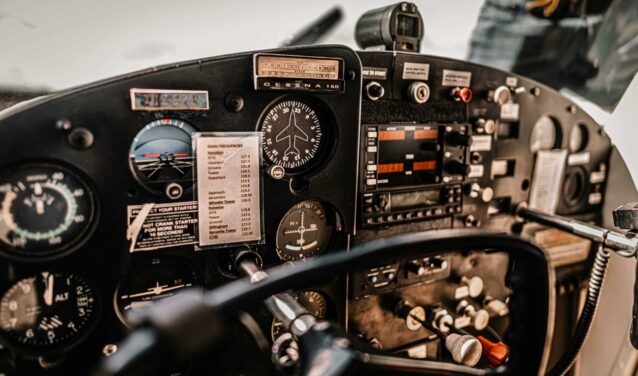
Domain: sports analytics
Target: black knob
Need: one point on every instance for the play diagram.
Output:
(374, 90)
(457, 168)
(459, 139)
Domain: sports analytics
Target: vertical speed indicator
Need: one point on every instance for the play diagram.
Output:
(293, 135)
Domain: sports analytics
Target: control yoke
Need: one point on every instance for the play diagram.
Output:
(623, 244)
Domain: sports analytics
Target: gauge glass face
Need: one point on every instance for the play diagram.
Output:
(292, 135)
(313, 301)
(151, 281)
(545, 134)
(303, 231)
(44, 211)
(162, 153)
(47, 312)
(578, 138)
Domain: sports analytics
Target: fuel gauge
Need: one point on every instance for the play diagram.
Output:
(153, 280)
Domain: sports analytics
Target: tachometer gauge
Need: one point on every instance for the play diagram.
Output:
(150, 281)
(303, 231)
(47, 312)
(546, 134)
(313, 301)
(162, 154)
(46, 211)
(293, 135)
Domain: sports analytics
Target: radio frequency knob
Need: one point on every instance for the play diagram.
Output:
(457, 168)
(459, 139)
(381, 204)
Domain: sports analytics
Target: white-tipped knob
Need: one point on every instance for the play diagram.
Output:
(465, 350)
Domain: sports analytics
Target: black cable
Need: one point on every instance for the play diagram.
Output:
(586, 319)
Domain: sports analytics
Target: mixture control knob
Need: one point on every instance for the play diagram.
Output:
(419, 92)
(474, 190)
(459, 139)
(474, 285)
(457, 168)
(501, 95)
(374, 90)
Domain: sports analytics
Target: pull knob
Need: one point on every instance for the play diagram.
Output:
(459, 139)
(474, 285)
(465, 349)
(501, 95)
(480, 318)
(474, 190)
(457, 168)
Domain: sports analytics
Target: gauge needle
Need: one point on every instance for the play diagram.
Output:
(48, 292)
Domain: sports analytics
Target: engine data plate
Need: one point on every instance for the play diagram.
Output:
(298, 73)
(228, 188)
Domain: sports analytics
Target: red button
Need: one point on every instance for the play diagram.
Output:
(496, 353)
(462, 94)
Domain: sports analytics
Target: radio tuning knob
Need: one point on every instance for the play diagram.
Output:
(457, 168)
(459, 139)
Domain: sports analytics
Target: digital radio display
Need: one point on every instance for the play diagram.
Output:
(408, 155)
(409, 200)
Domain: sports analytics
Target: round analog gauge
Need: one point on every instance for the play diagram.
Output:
(292, 135)
(47, 312)
(162, 154)
(46, 211)
(150, 281)
(546, 134)
(303, 231)
(578, 138)
(313, 301)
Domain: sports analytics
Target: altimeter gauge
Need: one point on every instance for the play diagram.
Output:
(51, 311)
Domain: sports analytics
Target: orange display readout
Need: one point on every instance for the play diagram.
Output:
(389, 168)
(391, 135)
(426, 134)
(424, 165)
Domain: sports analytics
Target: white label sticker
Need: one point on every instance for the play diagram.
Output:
(416, 71)
(546, 183)
(456, 78)
(511, 81)
(481, 143)
(418, 352)
(476, 171)
(374, 73)
(228, 188)
(162, 225)
(510, 111)
(578, 159)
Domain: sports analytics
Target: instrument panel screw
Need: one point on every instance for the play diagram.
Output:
(63, 125)
(351, 75)
(109, 349)
(234, 103)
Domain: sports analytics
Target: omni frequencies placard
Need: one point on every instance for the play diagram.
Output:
(298, 73)
(228, 188)
(169, 100)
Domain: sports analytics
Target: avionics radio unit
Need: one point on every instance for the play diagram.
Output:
(412, 172)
